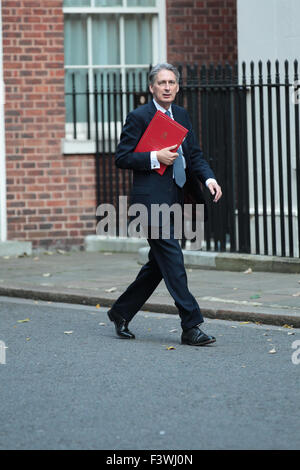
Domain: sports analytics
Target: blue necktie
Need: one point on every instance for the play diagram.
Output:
(179, 171)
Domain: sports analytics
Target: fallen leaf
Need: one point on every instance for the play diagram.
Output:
(272, 351)
(28, 339)
(244, 322)
(287, 326)
(24, 321)
(98, 306)
(170, 347)
(49, 253)
(248, 271)
(68, 332)
(112, 289)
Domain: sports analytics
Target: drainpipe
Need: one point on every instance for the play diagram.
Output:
(3, 215)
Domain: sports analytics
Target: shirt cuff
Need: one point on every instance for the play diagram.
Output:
(210, 180)
(154, 162)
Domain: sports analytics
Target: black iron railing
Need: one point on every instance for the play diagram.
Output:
(247, 122)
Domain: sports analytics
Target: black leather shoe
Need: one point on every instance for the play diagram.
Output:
(121, 325)
(195, 337)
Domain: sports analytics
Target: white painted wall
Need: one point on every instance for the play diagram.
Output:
(268, 29)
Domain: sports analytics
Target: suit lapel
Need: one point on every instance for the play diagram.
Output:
(178, 115)
(150, 111)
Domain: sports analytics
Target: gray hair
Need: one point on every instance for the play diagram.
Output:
(157, 68)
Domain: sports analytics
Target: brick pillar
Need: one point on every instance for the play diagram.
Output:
(50, 197)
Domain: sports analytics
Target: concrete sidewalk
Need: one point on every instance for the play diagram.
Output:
(99, 278)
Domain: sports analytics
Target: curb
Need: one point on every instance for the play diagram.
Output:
(81, 299)
(232, 261)
(196, 259)
(114, 244)
(15, 248)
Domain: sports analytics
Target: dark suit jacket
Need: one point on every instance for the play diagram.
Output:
(148, 186)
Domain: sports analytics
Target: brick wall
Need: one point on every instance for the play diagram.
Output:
(201, 31)
(50, 197)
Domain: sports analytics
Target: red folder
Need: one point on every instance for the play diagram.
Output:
(162, 132)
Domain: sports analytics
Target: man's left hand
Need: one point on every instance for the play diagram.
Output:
(215, 190)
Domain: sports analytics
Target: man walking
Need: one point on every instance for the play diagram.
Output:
(183, 169)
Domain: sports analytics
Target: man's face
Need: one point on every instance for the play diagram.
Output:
(165, 88)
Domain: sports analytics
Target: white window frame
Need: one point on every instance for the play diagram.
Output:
(159, 54)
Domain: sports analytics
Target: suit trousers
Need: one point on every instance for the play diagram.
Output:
(165, 262)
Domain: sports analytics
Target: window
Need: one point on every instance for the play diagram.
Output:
(109, 41)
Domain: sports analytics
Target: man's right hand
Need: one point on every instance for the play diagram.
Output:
(166, 156)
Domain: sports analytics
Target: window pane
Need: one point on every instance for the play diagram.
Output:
(137, 79)
(80, 85)
(109, 103)
(108, 3)
(138, 39)
(77, 3)
(75, 40)
(141, 3)
(106, 50)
